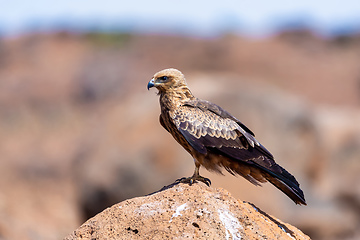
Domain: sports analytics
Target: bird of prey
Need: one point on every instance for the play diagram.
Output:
(215, 138)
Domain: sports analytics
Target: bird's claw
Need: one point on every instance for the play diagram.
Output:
(194, 179)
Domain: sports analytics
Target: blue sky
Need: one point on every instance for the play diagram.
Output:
(196, 17)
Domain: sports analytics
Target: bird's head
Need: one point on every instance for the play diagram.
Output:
(168, 79)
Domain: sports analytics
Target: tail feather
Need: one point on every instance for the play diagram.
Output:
(257, 167)
(286, 183)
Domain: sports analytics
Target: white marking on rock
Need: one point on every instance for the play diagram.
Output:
(290, 236)
(231, 224)
(149, 209)
(200, 212)
(255, 208)
(286, 231)
(177, 211)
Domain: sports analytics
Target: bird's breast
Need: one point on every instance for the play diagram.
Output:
(171, 127)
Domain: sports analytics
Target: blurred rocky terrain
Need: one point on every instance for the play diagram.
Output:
(79, 132)
(183, 211)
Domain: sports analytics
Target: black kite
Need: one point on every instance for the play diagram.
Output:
(215, 138)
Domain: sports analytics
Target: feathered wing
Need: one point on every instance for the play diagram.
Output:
(212, 131)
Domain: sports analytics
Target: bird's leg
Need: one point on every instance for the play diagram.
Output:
(195, 177)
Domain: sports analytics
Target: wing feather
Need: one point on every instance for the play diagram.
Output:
(204, 129)
(208, 106)
(209, 128)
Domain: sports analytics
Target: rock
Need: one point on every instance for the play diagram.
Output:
(183, 211)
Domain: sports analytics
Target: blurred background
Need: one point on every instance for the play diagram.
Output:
(80, 132)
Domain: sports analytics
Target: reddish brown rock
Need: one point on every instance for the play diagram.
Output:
(194, 212)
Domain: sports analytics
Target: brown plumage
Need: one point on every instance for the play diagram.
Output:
(215, 138)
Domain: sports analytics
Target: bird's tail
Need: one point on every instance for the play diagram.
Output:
(285, 182)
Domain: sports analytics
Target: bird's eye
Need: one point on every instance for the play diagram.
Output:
(163, 78)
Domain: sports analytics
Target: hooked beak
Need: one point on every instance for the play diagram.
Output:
(151, 84)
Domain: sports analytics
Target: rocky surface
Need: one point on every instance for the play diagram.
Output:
(183, 211)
